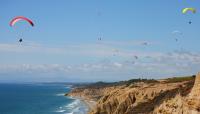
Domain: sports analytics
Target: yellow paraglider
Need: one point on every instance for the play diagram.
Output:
(185, 10)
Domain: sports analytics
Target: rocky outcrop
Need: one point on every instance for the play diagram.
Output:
(193, 100)
(196, 89)
(189, 104)
(90, 93)
(140, 99)
(144, 98)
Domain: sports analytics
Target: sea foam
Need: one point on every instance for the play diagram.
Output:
(60, 110)
(77, 107)
(60, 94)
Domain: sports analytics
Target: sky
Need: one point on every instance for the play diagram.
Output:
(63, 45)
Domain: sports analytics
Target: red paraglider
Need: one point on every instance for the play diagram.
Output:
(19, 18)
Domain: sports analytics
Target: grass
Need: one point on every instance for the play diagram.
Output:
(180, 79)
(102, 84)
(127, 83)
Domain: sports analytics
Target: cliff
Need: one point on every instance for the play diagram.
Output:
(169, 96)
(182, 104)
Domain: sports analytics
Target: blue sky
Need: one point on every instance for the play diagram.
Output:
(64, 46)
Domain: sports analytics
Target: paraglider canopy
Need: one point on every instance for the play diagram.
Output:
(185, 10)
(177, 32)
(19, 18)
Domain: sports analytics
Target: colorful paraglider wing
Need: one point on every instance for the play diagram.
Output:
(19, 18)
(185, 10)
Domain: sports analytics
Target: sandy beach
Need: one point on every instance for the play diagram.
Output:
(89, 103)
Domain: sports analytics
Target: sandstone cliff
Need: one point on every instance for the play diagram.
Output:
(163, 97)
(187, 104)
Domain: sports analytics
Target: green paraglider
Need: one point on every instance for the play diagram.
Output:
(185, 10)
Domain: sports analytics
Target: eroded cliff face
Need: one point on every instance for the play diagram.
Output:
(144, 98)
(189, 104)
(90, 93)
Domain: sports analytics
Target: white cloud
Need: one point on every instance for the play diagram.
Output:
(152, 64)
(175, 63)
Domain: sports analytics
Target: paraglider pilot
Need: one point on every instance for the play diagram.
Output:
(20, 40)
(19, 18)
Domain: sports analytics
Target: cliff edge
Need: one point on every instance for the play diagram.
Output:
(169, 96)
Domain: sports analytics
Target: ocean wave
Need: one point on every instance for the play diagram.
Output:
(71, 98)
(74, 104)
(77, 107)
(68, 86)
(60, 94)
(60, 111)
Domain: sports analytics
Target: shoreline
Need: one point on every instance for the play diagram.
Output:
(90, 104)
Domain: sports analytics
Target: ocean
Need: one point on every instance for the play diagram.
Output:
(38, 99)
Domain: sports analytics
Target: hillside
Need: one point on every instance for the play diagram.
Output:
(137, 96)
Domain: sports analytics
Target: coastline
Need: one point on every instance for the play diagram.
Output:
(90, 104)
(137, 96)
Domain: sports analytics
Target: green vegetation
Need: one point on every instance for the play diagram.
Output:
(132, 81)
(180, 79)
(101, 84)
(127, 83)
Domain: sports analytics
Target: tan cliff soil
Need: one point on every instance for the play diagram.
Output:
(188, 104)
(144, 98)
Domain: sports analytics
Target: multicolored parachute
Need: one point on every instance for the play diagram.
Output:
(19, 18)
(185, 10)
